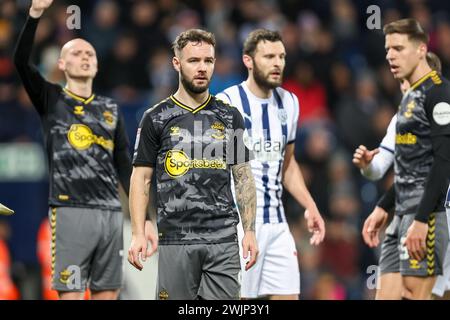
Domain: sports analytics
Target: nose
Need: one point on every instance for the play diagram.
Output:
(85, 56)
(202, 66)
(389, 55)
(277, 62)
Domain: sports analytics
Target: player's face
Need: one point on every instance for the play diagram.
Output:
(268, 64)
(79, 60)
(402, 54)
(195, 65)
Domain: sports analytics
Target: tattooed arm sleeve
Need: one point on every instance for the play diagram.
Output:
(245, 194)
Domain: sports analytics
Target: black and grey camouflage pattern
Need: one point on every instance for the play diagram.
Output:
(413, 150)
(195, 206)
(82, 176)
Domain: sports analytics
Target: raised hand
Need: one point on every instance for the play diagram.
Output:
(38, 7)
(362, 157)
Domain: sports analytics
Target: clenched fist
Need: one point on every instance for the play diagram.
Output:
(38, 7)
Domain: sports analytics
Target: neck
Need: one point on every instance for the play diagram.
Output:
(263, 93)
(82, 88)
(422, 69)
(190, 99)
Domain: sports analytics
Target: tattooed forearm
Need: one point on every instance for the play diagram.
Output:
(245, 194)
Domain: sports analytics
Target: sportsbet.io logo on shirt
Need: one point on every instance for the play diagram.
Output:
(177, 163)
(80, 137)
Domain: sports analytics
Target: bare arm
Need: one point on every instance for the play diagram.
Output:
(246, 201)
(139, 199)
(293, 180)
(245, 194)
(294, 183)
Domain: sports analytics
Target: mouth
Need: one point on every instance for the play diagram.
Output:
(85, 66)
(275, 74)
(394, 68)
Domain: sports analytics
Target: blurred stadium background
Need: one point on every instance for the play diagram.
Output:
(335, 65)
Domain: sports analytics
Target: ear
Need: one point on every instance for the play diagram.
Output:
(176, 63)
(423, 50)
(61, 65)
(248, 61)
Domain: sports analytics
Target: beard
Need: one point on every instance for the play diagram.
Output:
(190, 86)
(263, 81)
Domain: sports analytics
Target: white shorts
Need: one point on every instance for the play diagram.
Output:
(276, 271)
(443, 281)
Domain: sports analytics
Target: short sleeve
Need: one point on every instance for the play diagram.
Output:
(437, 107)
(238, 152)
(222, 96)
(294, 120)
(147, 143)
(388, 142)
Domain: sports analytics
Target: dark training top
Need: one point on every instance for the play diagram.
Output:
(85, 137)
(192, 151)
(422, 148)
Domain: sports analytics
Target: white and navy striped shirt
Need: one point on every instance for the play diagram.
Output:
(271, 125)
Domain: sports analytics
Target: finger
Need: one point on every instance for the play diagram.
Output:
(376, 239)
(152, 248)
(315, 239)
(245, 249)
(417, 250)
(321, 230)
(422, 249)
(363, 148)
(372, 239)
(369, 232)
(365, 233)
(375, 151)
(144, 251)
(318, 235)
(131, 259)
(137, 263)
(373, 233)
(410, 245)
(252, 261)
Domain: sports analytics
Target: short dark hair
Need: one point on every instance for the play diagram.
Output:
(256, 37)
(192, 35)
(434, 62)
(410, 27)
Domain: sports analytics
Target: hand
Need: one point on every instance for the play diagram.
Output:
(139, 250)
(152, 237)
(38, 7)
(249, 244)
(363, 157)
(416, 238)
(316, 226)
(372, 226)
